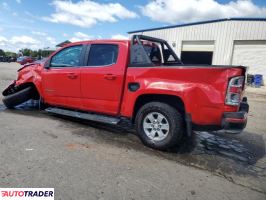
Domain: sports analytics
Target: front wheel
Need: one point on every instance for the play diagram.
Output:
(17, 98)
(159, 125)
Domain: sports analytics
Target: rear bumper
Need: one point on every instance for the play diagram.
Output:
(235, 122)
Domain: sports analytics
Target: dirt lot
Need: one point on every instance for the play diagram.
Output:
(85, 160)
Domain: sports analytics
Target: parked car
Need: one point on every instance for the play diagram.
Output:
(141, 81)
(7, 59)
(12, 59)
(24, 60)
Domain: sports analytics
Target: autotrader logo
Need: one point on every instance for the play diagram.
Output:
(27, 193)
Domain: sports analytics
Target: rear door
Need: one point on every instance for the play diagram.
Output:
(103, 76)
(61, 82)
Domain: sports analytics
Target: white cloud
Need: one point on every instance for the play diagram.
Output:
(23, 41)
(79, 36)
(31, 17)
(18, 1)
(38, 33)
(120, 37)
(17, 42)
(87, 13)
(3, 41)
(173, 11)
(5, 5)
(51, 40)
(82, 35)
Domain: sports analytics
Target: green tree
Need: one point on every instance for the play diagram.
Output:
(2, 53)
(34, 53)
(10, 54)
(26, 52)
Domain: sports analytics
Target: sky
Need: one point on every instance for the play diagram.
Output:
(38, 24)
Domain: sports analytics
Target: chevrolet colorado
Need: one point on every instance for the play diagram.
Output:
(141, 80)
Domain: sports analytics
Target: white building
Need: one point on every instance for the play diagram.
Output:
(232, 41)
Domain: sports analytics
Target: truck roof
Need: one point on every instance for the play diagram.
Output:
(98, 41)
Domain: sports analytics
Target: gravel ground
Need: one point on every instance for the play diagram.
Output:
(86, 160)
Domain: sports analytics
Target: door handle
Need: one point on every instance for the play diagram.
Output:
(110, 76)
(72, 75)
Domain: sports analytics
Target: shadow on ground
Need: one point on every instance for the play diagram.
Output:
(214, 151)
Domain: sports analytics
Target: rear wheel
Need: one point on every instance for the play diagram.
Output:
(17, 98)
(159, 125)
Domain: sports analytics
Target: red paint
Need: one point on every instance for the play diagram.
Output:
(105, 89)
(101, 87)
(235, 120)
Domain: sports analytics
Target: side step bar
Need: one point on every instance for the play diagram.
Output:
(81, 115)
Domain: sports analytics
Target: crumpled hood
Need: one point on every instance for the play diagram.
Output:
(37, 63)
(24, 66)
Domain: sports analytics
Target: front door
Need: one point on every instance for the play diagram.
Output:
(61, 81)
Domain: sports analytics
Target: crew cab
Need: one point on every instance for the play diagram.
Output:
(139, 80)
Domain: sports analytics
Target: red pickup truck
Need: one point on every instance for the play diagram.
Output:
(141, 80)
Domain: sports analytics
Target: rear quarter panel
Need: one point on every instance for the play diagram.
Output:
(202, 89)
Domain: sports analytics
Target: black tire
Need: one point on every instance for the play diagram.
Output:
(17, 98)
(175, 121)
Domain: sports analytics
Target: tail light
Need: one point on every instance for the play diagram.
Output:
(234, 91)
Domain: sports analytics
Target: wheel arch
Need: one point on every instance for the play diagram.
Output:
(36, 90)
(172, 100)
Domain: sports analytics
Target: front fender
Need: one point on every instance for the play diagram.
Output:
(27, 75)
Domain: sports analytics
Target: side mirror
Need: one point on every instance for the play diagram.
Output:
(47, 64)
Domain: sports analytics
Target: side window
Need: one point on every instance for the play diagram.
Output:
(68, 57)
(102, 54)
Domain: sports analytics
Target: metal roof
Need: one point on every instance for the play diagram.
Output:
(201, 22)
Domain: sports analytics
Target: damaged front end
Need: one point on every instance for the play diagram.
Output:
(10, 89)
(28, 75)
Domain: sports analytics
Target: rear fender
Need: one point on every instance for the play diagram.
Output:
(202, 89)
(152, 88)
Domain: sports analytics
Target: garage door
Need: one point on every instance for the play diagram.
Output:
(251, 54)
(197, 52)
(197, 45)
